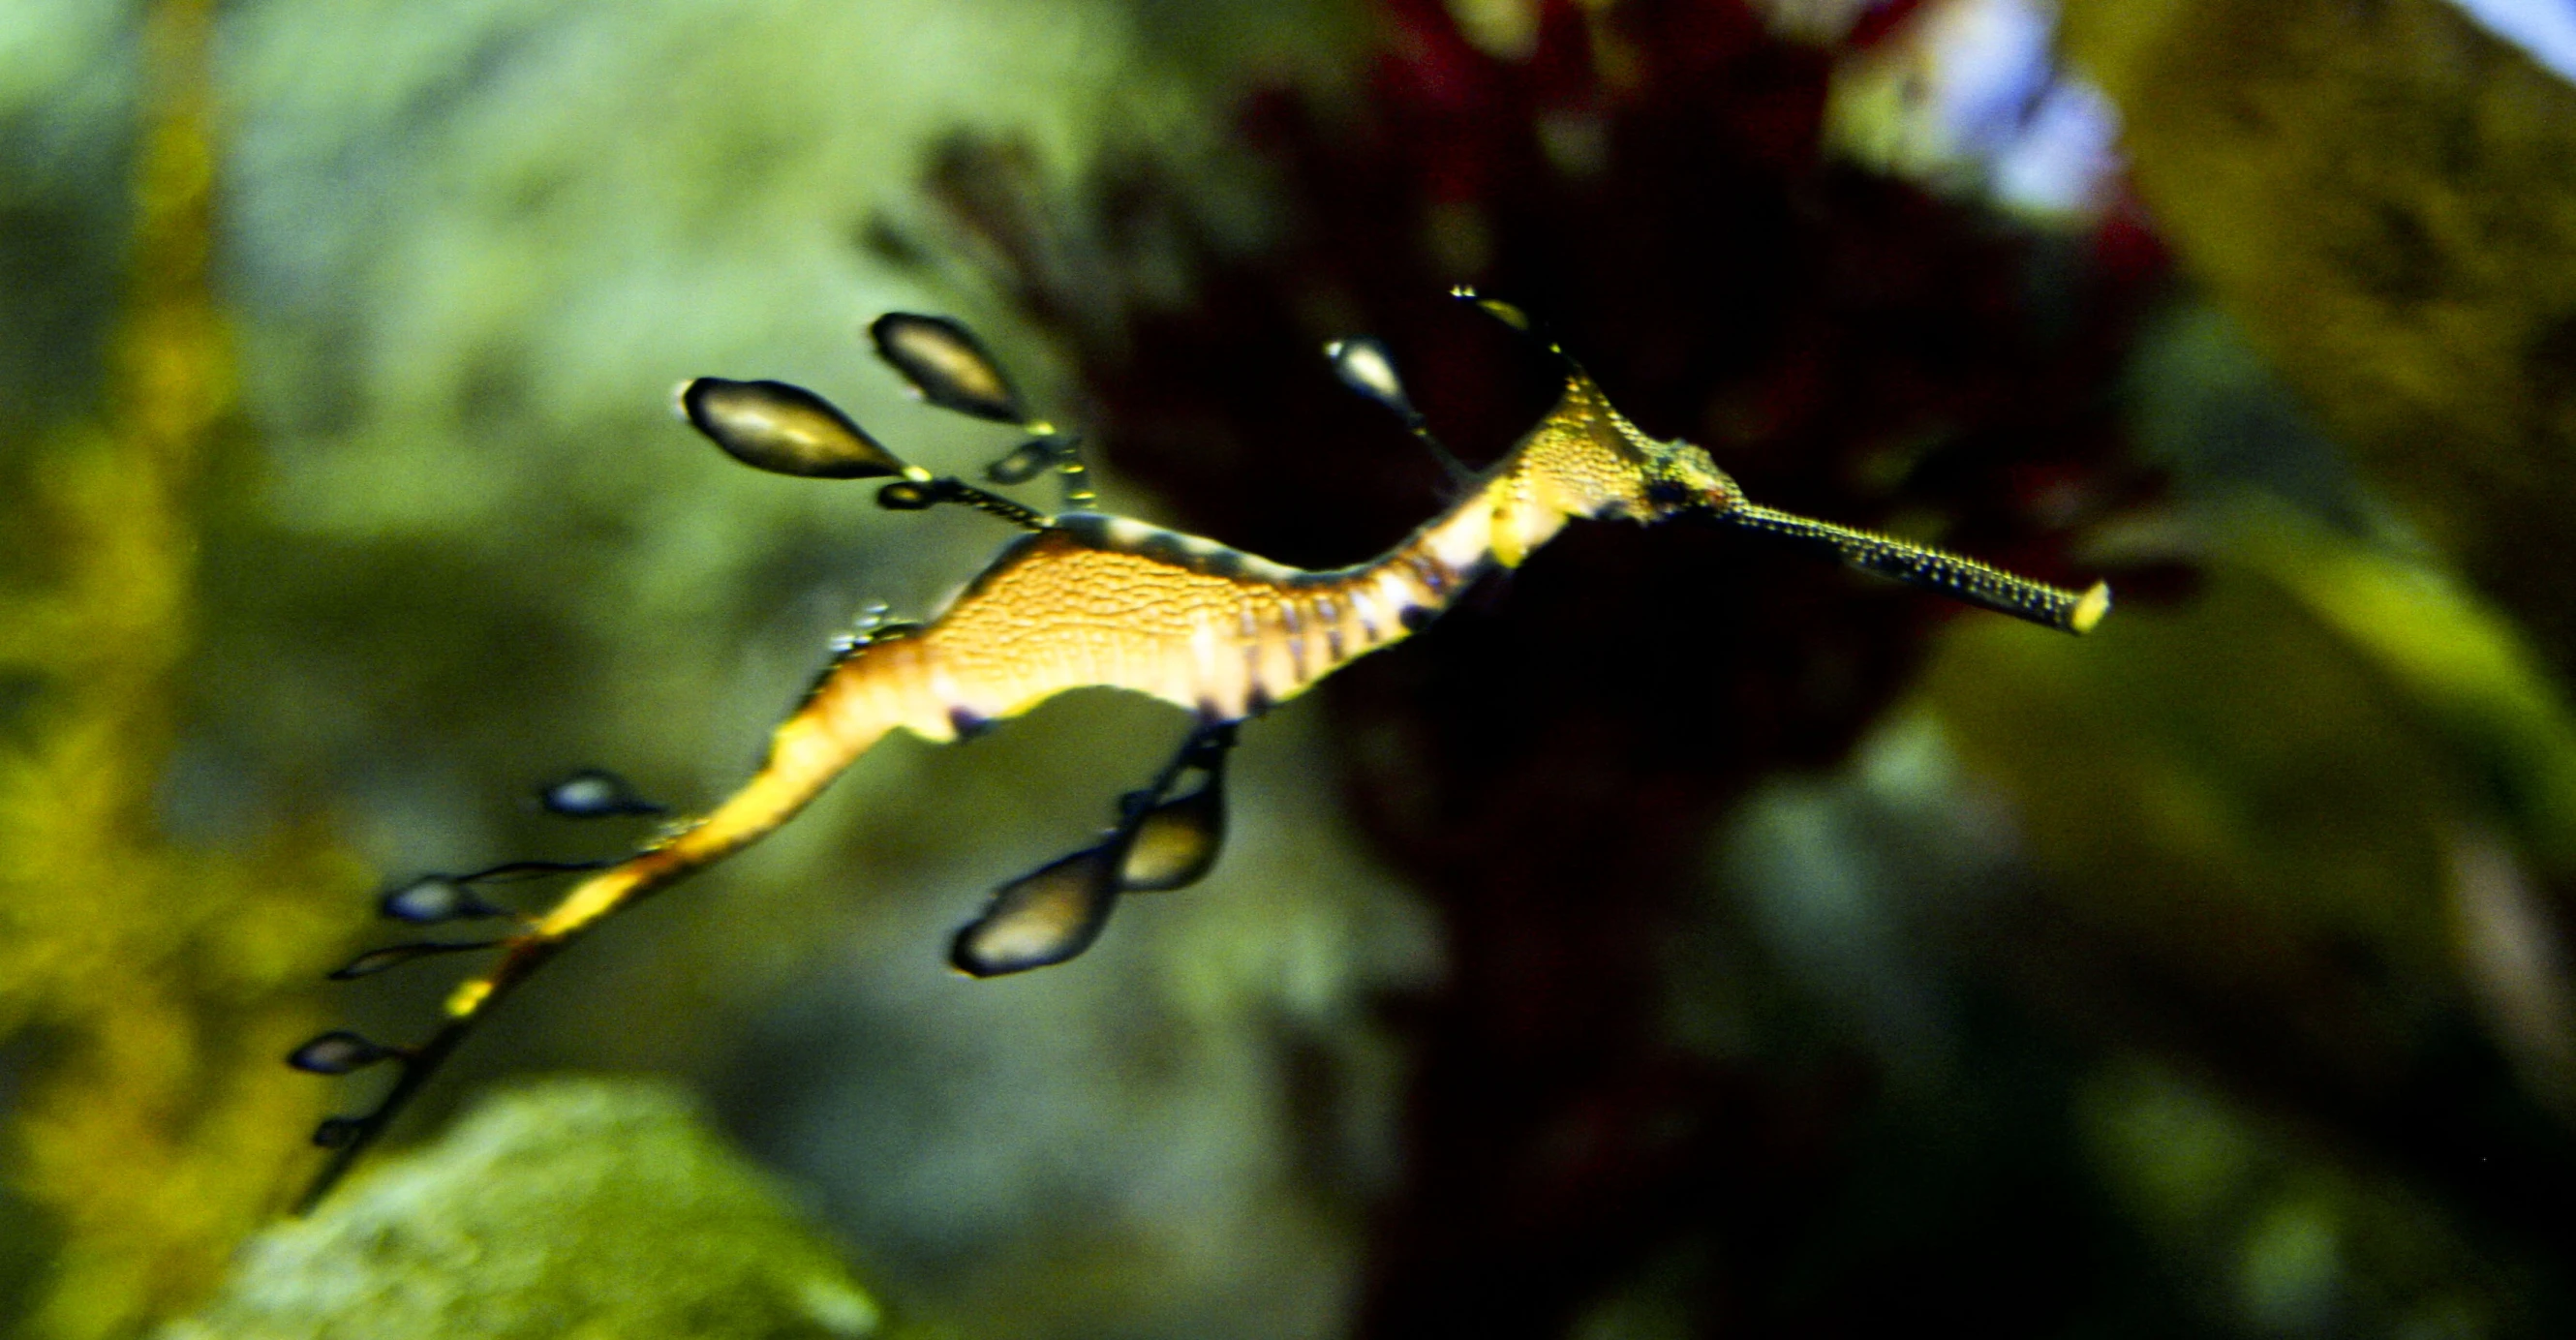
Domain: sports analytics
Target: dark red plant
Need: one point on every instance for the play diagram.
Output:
(1548, 763)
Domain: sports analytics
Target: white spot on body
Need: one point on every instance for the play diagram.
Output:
(943, 687)
(1365, 612)
(909, 691)
(1399, 593)
(1203, 655)
(1293, 623)
(1330, 615)
(1465, 539)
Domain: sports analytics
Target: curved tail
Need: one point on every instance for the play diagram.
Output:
(811, 747)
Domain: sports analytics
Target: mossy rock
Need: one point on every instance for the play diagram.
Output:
(577, 1208)
(2384, 196)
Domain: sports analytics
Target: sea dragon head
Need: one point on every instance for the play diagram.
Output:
(1679, 478)
(1585, 459)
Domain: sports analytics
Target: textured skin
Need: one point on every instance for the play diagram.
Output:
(1095, 600)
(1092, 601)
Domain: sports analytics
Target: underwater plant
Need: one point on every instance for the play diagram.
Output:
(145, 973)
(1083, 600)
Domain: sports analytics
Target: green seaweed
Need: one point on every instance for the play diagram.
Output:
(578, 1207)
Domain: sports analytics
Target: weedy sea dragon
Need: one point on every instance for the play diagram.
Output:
(1084, 599)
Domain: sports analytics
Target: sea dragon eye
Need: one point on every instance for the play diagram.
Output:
(1668, 493)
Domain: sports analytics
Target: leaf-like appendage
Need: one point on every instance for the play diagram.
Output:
(784, 429)
(594, 793)
(431, 899)
(1025, 462)
(1177, 842)
(947, 366)
(1365, 366)
(1044, 917)
(337, 1053)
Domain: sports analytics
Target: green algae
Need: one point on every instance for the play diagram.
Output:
(579, 1207)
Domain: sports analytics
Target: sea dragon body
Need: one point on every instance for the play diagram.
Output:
(1089, 600)
(1092, 600)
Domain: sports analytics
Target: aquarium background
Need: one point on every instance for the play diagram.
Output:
(1680, 939)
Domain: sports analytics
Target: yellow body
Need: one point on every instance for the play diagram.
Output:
(1099, 601)
(1095, 601)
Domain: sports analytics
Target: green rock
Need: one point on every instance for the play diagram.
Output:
(2384, 196)
(576, 1208)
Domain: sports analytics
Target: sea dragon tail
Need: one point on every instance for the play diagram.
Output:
(810, 748)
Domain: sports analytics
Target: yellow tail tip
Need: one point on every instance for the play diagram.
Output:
(468, 997)
(2090, 609)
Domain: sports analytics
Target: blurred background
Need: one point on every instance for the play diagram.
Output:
(1681, 939)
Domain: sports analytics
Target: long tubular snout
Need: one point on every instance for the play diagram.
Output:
(1936, 570)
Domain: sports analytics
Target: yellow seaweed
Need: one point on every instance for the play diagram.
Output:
(157, 984)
